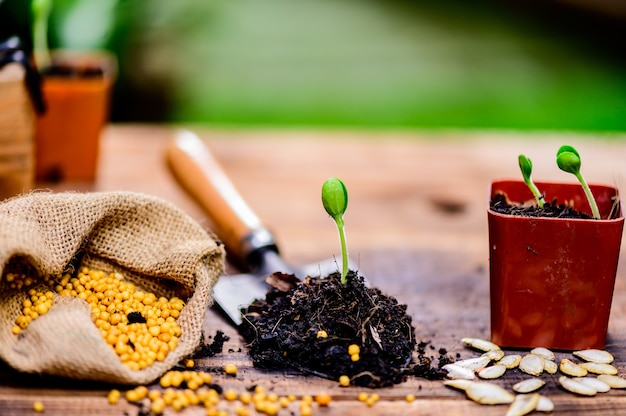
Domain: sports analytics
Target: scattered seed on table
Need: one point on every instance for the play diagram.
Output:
(594, 356)
(474, 364)
(457, 372)
(494, 355)
(38, 407)
(544, 353)
(488, 393)
(599, 368)
(529, 385)
(577, 387)
(510, 361)
(460, 384)
(523, 404)
(544, 405)
(531, 364)
(480, 344)
(616, 382)
(598, 385)
(570, 368)
(550, 367)
(492, 372)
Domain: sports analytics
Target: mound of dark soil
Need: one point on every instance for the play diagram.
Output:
(501, 204)
(308, 326)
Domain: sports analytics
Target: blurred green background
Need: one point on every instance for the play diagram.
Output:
(540, 65)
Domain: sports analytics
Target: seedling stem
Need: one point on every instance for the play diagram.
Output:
(335, 200)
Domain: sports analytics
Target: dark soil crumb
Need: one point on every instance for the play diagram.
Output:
(136, 318)
(502, 205)
(283, 330)
(215, 347)
(430, 367)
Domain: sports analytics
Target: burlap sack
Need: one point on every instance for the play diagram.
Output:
(151, 242)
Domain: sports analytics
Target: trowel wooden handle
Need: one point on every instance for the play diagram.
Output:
(201, 175)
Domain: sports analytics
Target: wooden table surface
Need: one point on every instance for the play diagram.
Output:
(416, 224)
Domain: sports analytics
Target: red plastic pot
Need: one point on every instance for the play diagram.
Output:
(552, 279)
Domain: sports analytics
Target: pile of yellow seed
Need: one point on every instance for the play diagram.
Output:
(182, 389)
(139, 343)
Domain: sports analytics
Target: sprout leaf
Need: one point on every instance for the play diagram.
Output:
(568, 160)
(526, 166)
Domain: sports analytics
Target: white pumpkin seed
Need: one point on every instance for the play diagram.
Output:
(457, 372)
(598, 385)
(488, 393)
(545, 405)
(492, 372)
(614, 381)
(550, 367)
(577, 387)
(460, 384)
(494, 355)
(529, 385)
(531, 364)
(544, 353)
(523, 404)
(480, 344)
(510, 361)
(474, 364)
(599, 368)
(570, 368)
(594, 356)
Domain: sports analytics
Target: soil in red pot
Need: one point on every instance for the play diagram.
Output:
(501, 205)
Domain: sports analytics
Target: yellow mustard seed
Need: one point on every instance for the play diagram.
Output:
(38, 407)
(410, 398)
(230, 369)
(323, 399)
(344, 381)
(190, 363)
(242, 411)
(114, 396)
(305, 409)
(322, 334)
(230, 395)
(283, 401)
(355, 357)
(354, 349)
(157, 406)
(245, 397)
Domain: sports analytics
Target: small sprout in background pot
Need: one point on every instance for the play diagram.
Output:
(526, 166)
(568, 160)
(335, 200)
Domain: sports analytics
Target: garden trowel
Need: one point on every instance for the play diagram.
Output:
(248, 243)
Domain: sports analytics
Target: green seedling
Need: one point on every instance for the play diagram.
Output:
(568, 160)
(40, 10)
(526, 166)
(335, 200)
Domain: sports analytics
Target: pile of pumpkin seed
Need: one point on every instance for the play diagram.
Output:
(593, 374)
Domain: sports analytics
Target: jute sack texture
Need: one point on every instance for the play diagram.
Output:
(149, 241)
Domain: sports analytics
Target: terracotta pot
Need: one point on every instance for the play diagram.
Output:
(77, 107)
(551, 279)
